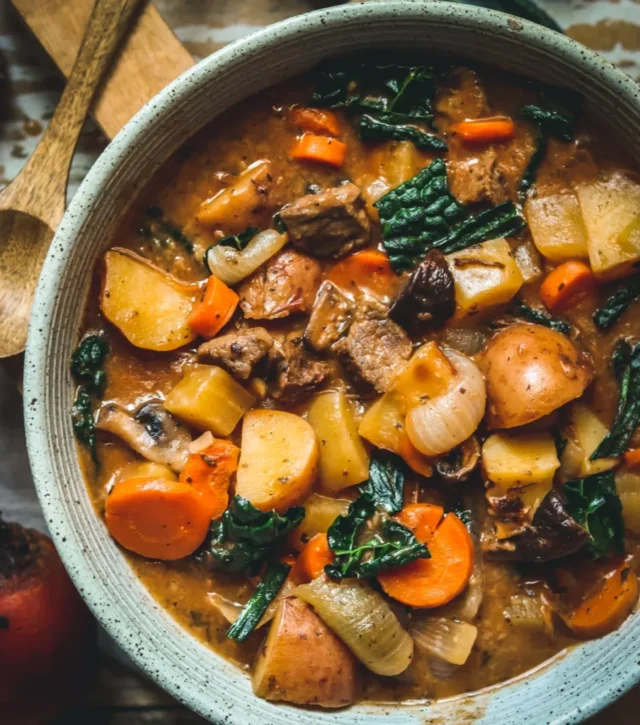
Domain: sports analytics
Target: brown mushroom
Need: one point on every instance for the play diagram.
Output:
(458, 465)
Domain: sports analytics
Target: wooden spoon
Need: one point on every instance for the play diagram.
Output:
(32, 206)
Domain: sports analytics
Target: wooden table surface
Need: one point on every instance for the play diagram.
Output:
(29, 89)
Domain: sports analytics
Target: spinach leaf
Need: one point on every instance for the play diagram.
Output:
(163, 233)
(422, 214)
(386, 481)
(373, 129)
(617, 303)
(240, 241)
(525, 9)
(392, 545)
(540, 318)
(274, 577)
(626, 365)
(245, 536)
(87, 369)
(593, 502)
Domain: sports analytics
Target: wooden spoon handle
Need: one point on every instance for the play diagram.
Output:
(40, 188)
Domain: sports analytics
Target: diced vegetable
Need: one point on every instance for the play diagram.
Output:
(146, 469)
(278, 460)
(369, 272)
(232, 208)
(319, 149)
(556, 225)
(315, 120)
(585, 432)
(529, 613)
(565, 284)
(214, 310)
(615, 305)
(484, 276)
(628, 488)
(612, 220)
(320, 513)
(321, 672)
(528, 260)
(208, 398)
(232, 265)
(364, 622)
(343, 458)
(313, 559)
(150, 307)
(447, 639)
(485, 130)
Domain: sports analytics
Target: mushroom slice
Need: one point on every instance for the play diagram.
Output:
(458, 465)
(150, 431)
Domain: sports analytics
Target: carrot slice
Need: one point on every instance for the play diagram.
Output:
(428, 583)
(322, 149)
(485, 130)
(157, 518)
(367, 271)
(606, 608)
(632, 457)
(313, 558)
(214, 310)
(566, 281)
(209, 473)
(315, 120)
(416, 461)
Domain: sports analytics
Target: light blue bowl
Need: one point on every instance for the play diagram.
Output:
(566, 690)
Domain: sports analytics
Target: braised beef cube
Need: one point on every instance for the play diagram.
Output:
(238, 352)
(477, 177)
(374, 350)
(329, 224)
(331, 316)
(297, 372)
(285, 285)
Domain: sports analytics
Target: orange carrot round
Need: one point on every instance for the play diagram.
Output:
(321, 149)
(485, 130)
(427, 583)
(369, 271)
(632, 457)
(313, 558)
(416, 461)
(566, 281)
(214, 310)
(157, 518)
(315, 120)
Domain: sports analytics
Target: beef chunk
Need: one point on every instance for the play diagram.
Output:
(329, 224)
(238, 352)
(477, 178)
(285, 285)
(375, 349)
(331, 316)
(298, 373)
(462, 96)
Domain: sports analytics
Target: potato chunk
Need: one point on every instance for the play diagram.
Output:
(302, 661)
(343, 458)
(557, 227)
(484, 276)
(516, 460)
(208, 398)
(320, 513)
(149, 307)
(278, 459)
(611, 213)
(584, 433)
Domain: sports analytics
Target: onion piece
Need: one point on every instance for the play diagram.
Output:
(628, 487)
(230, 610)
(364, 622)
(528, 613)
(447, 639)
(232, 265)
(444, 422)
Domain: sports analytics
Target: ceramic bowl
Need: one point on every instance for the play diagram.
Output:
(565, 690)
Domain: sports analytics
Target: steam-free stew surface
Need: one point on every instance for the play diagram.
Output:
(561, 389)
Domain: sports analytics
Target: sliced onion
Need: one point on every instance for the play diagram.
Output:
(464, 339)
(364, 622)
(442, 423)
(467, 605)
(526, 612)
(230, 610)
(447, 639)
(232, 265)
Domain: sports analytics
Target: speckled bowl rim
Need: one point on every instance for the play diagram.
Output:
(570, 688)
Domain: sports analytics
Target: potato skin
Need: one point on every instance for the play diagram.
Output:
(531, 371)
(302, 661)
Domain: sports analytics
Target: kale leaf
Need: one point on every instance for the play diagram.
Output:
(541, 318)
(240, 241)
(386, 481)
(163, 233)
(593, 502)
(373, 129)
(626, 365)
(391, 545)
(422, 214)
(244, 537)
(617, 303)
(525, 9)
(274, 577)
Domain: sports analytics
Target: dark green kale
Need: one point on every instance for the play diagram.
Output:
(244, 537)
(626, 365)
(525, 9)
(422, 214)
(162, 233)
(391, 544)
(539, 317)
(82, 421)
(373, 129)
(240, 241)
(274, 577)
(593, 502)
(386, 481)
(617, 303)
